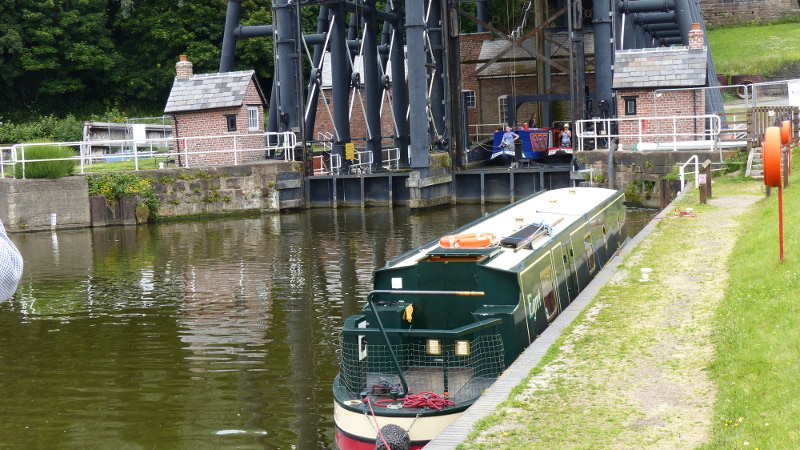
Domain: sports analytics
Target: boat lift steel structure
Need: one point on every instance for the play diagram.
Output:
(427, 104)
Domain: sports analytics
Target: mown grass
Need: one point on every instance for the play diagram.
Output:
(124, 166)
(757, 333)
(754, 49)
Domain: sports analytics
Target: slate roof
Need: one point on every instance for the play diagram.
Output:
(517, 61)
(660, 68)
(210, 91)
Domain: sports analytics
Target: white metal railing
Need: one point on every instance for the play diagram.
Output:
(336, 163)
(392, 158)
(484, 130)
(664, 132)
(326, 139)
(696, 171)
(5, 160)
(363, 162)
(284, 142)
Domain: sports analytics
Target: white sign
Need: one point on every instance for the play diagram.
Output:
(794, 94)
(702, 178)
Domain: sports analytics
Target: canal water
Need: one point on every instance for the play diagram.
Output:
(217, 333)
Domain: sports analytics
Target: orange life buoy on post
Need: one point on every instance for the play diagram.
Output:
(771, 153)
(467, 240)
(786, 132)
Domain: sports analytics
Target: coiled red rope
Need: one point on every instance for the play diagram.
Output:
(421, 400)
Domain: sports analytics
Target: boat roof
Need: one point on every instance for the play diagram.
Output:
(557, 209)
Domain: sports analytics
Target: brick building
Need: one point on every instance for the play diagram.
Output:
(661, 82)
(485, 88)
(216, 112)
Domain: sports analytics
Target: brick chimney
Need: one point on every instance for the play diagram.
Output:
(183, 68)
(696, 37)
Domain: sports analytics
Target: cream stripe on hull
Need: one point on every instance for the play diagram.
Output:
(360, 424)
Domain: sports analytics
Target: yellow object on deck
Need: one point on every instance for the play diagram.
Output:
(409, 311)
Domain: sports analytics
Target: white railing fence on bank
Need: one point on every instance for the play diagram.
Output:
(170, 150)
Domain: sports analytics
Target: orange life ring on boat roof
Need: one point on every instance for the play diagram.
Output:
(467, 240)
(771, 154)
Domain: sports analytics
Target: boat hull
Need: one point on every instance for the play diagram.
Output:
(443, 322)
(357, 430)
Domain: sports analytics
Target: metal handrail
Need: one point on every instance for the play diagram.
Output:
(696, 171)
(493, 127)
(364, 161)
(326, 139)
(336, 163)
(600, 129)
(285, 141)
(392, 158)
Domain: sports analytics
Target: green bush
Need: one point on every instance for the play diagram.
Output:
(46, 128)
(46, 169)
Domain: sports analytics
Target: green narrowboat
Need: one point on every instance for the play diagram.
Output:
(446, 319)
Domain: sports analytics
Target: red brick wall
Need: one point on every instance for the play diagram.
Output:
(689, 102)
(358, 124)
(214, 123)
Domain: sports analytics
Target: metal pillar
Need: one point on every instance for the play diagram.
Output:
(232, 17)
(436, 57)
(286, 38)
(483, 14)
(314, 81)
(372, 87)
(399, 96)
(417, 85)
(456, 128)
(603, 53)
(340, 76)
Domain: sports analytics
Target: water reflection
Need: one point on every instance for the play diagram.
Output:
(206, 333)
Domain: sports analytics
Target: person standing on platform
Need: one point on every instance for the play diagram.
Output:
(507, 143)
(566, 136)
(532, 121)
(10, 265)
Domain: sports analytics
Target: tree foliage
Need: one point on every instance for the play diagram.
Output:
(87, 56)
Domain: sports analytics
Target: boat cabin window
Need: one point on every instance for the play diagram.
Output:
(589, 248)
(548, 292)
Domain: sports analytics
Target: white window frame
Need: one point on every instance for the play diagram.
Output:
(470, 98)
(252, 118)
(502, 105)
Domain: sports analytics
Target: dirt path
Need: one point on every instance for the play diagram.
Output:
(632, 373)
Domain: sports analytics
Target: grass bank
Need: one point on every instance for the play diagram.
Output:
(757, 333)
(769, 48)
(702, 355)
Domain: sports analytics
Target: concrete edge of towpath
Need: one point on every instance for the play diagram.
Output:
(458, 431)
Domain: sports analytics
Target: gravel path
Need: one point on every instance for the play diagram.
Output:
(632, 372)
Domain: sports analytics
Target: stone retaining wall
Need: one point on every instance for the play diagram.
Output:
(639, 173)
(30, 204)
(727, 12)
(218, 190)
